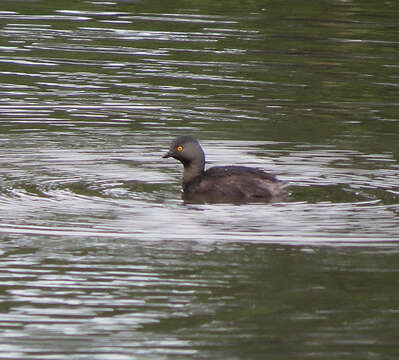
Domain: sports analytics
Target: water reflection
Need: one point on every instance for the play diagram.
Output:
(108, 191)
(93, 298)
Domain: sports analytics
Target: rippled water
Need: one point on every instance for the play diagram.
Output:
(100, 257)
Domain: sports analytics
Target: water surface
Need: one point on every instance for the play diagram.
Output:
(101, 258)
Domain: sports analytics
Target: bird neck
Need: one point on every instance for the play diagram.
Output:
(192, 169)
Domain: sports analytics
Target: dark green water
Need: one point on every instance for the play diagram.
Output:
(100, 257)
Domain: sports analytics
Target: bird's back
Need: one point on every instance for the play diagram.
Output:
(235, 184)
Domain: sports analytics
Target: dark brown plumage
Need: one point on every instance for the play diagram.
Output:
(231, 184)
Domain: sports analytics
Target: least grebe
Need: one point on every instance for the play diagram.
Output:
(222, 183)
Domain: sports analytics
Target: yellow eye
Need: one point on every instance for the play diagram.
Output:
(179, 148)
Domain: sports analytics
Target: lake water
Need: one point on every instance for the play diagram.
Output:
(101, 258)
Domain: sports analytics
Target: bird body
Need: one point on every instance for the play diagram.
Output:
(222, 183)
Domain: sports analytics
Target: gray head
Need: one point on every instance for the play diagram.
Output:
(188, 151)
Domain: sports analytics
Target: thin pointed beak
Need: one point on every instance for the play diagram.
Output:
(167, 155)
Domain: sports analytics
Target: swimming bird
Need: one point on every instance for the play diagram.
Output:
(222, 184)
